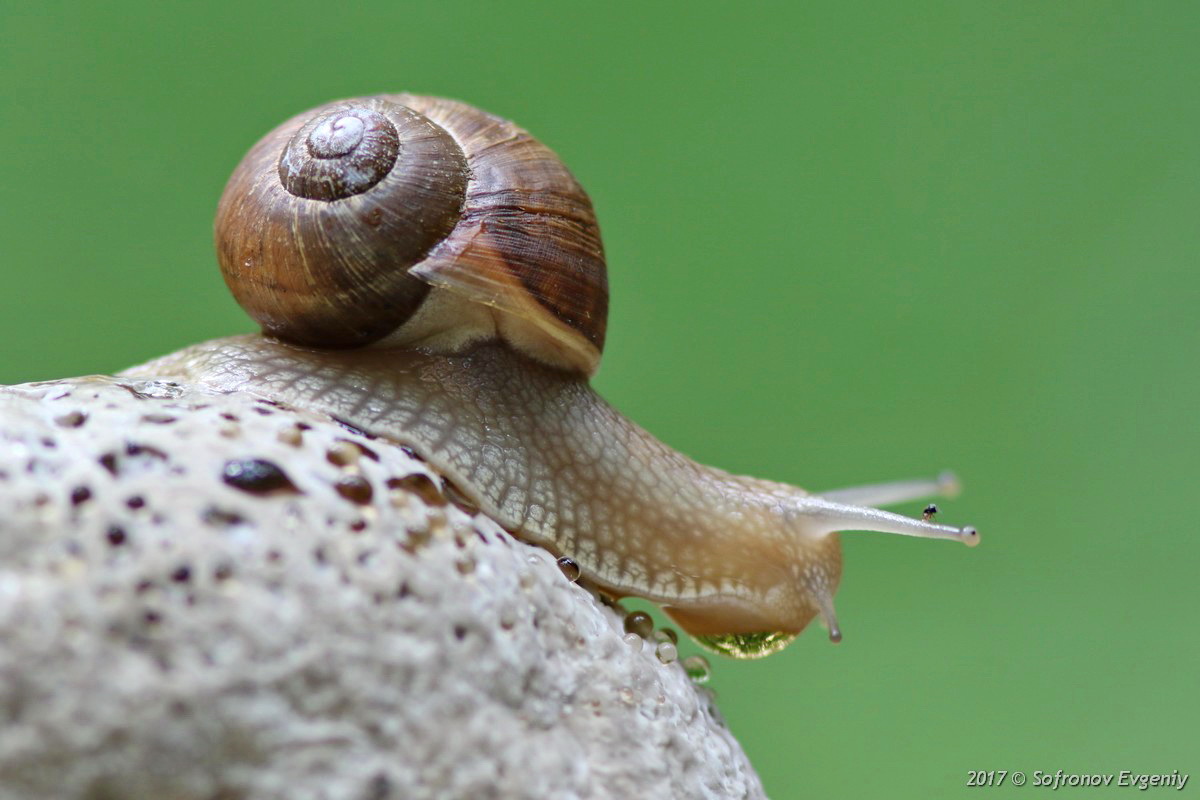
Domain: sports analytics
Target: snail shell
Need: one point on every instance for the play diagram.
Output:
(404, 219)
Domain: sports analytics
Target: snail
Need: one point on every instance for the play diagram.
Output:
(434, 275)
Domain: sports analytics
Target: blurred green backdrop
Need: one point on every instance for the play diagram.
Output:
(847, 243)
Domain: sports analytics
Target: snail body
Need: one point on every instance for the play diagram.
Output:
(491, 317)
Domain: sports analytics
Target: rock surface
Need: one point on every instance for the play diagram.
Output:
(211, 597)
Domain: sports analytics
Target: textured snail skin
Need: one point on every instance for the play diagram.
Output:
(543, 454)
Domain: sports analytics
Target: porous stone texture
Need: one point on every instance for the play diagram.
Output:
(215, 597)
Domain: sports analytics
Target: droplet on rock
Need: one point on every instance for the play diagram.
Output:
(640, 623)
(666, 635)
(697, 668)
(569, 568)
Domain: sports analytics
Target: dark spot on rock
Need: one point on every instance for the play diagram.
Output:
(460, 632)
(421, 485)
(231, 417)
(319, 555)
(152, 617)
(266, 412)
(144, 586)
(158, 419)
(380, 788)
(136, 502)
(354, 429)
(257, 476)
(135, 450)
(403, 591)
(109, 462)
(223, 572)
(116, 535)
(220, 518)
(274, 556)
(355, 488)
(182, 574)
(358, 526)
(73, 419)
(304, 426)
(80, 495)
(408, 451)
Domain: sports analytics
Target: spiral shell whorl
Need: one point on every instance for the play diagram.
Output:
(339, 154)
(315, 244)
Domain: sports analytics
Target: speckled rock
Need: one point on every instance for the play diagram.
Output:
(213, 597)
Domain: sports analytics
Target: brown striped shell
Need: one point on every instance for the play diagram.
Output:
(403, 219)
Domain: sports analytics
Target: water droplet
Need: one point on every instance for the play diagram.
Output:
(666, 652)
(666, 635)
(697, 668)
(639, 622)
(569, 568)
(634, 641)
(746, 645)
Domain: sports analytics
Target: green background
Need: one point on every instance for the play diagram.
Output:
(847, 243)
